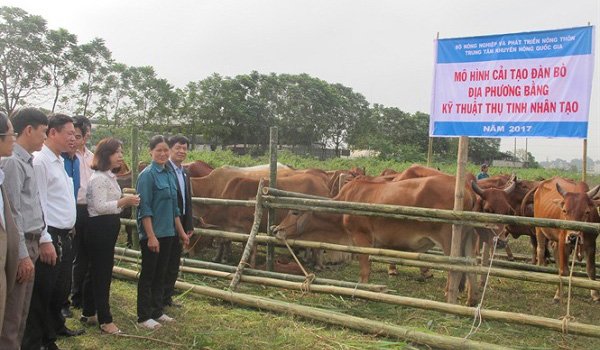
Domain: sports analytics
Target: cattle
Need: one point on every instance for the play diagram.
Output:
(514, 199)
(224, 184)
(198, 168)
(559, 198)
(427, 192)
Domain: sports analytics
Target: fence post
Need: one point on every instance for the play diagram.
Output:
(273, 141)
(457, 234)
(134, 175)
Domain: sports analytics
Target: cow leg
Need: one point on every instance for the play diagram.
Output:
(562, 253)
(317, 259)
(129, 231)
(425, 273)
(509, 252)
(253, 256)
(541, 247)
(485, 261)
(534, 245)
(590, 262)
(219, 254)
(469, 249)
(226, 252)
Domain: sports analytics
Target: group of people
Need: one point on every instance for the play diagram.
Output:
(59, 222)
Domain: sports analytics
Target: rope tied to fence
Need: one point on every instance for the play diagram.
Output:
(477, 318)
(567, 317)
(310, 277)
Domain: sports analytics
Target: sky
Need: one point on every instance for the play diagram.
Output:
(382, 49)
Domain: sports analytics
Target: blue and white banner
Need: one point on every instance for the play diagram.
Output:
(534, 84)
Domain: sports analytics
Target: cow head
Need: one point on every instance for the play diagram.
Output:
(494, 200)
(576, 206)
(293, 225)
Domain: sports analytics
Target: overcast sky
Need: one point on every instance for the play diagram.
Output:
(382, 49)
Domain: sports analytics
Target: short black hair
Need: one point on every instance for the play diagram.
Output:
(3, 125)
(155, 140)
(58, 121)
(22, 118)
(173, 140)
(82, 123)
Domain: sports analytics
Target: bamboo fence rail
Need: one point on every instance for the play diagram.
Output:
(481, 270)
(372, 327)
(135, 255)
(440, 262)
(466, 311)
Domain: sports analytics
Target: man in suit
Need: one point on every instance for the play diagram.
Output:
(9, 235)
(178, 146)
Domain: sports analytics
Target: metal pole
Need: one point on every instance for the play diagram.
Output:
(584, 165)
(272, 184)
(459, 194)
(134, 175)
(430, 151)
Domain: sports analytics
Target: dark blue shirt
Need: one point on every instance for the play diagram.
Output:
(72, 168)
(157, 189)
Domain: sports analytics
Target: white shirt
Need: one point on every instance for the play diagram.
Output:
(56, 191)
(103, 192)
(85, 171)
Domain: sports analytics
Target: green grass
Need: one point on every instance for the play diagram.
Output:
(206, 323)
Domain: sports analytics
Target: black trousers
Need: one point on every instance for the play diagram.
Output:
(99, 242)
(51, 287)
(172, 271)
(152, 279)
(80, 258)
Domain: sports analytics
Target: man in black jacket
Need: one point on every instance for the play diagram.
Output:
(178, 152)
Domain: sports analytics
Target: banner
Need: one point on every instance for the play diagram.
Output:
(534, 84)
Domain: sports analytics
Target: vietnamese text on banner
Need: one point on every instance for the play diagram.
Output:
(534, 84)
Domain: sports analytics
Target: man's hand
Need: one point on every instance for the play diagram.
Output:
(48, 253)
(25, 270)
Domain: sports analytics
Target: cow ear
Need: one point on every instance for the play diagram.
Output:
(559, 203)
(302, 221)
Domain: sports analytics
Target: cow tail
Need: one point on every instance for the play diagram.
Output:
(526, 199)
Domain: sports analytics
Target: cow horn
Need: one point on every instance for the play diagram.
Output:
(560, 190)
(510, 188)
(593, 192)
(476, 188)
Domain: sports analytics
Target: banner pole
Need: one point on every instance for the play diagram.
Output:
(457, 230)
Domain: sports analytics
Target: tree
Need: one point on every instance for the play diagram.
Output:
(114, 91)
(23, 54)
(61, 60)
(94, 61)
(348, 108)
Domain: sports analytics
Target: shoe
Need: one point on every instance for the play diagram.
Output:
(150, 324)
(66, 332)
(89, 320)
(66, 312)
(110, 328)
(165, 318)
(171, 303)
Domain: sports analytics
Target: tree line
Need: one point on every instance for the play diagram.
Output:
(42, 66)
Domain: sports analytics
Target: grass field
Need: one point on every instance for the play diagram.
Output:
(206, 323)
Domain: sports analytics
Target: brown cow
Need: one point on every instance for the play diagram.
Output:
(222, 183)
(428, 192)
(198, 168)
(514, 199)
(559, 198)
